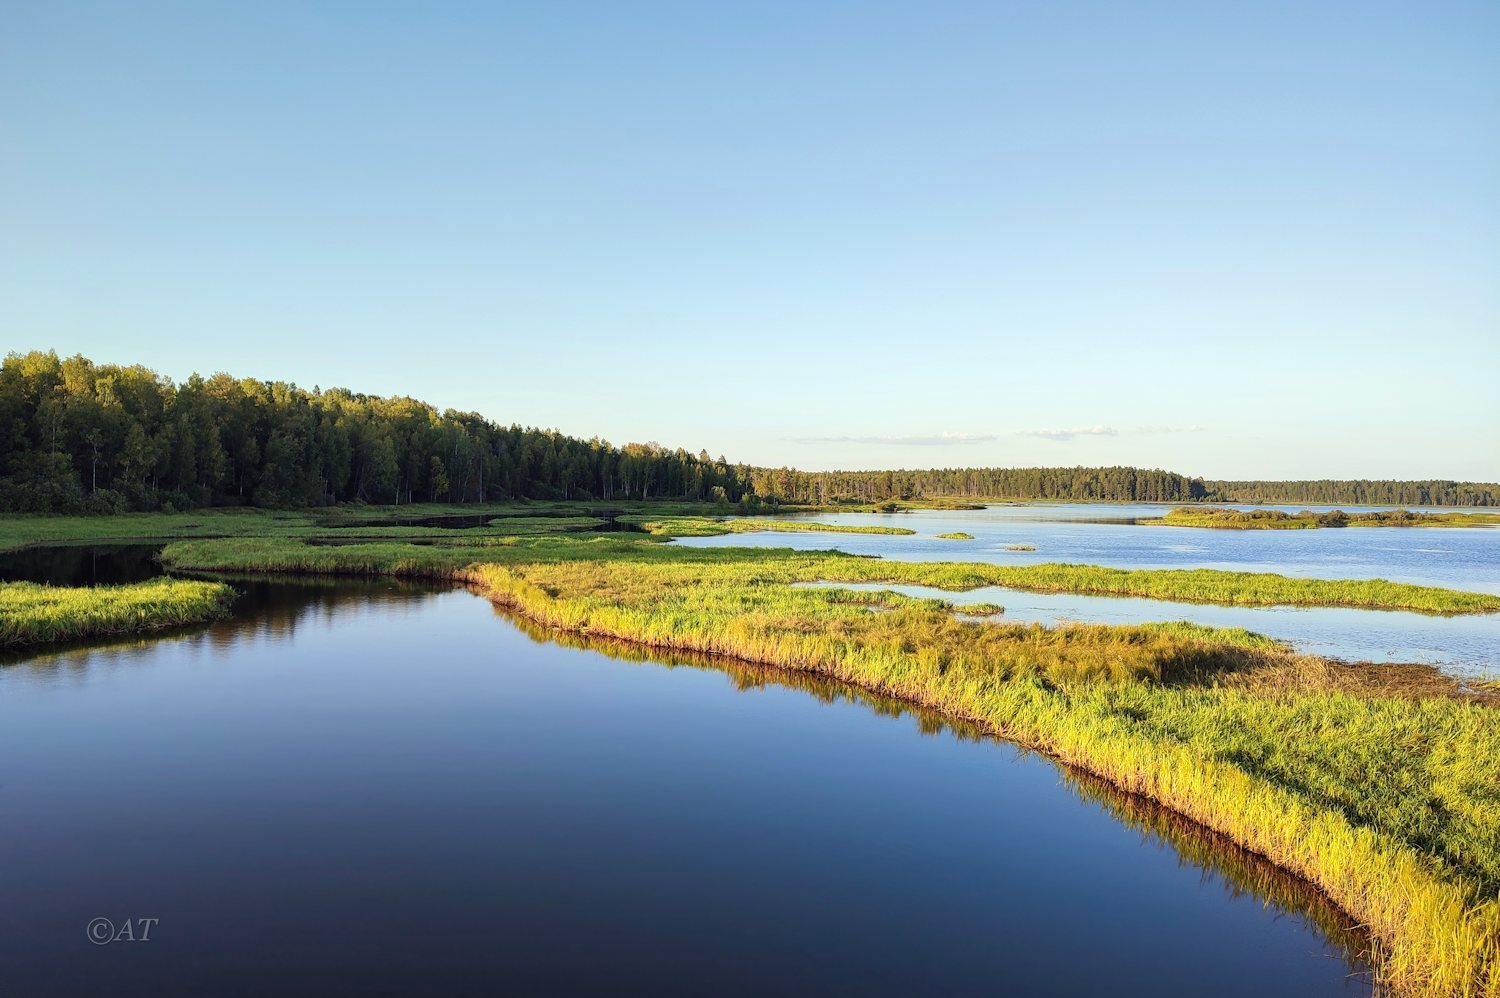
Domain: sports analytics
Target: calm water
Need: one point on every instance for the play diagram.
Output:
(1457, 558)
(381, 788)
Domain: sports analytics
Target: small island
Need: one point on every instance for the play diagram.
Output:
(1226, 518)
(957, 535)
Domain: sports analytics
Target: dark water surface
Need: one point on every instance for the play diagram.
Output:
(90, 565)
(379, 788)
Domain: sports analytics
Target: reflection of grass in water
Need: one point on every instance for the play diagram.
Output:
(1242, 872)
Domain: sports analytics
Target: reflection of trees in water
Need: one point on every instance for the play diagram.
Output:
(1239, 872)
(81, 564)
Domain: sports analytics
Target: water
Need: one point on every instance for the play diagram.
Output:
(88, 565)
(1101, 534)
(381, 788)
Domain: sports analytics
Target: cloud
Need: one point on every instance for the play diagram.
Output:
(936, 440)
(1168, 429)
(1069, 434)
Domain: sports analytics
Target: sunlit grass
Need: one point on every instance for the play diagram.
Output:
(1275, 519)
(698, 526)
(32, 614)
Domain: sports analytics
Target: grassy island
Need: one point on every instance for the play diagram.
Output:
(957, 535)
(32, 614)
(1276, 519)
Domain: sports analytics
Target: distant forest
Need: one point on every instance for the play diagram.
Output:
(1129, 484)
(76, 436)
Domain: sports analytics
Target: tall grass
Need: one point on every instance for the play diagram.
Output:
(32, 614)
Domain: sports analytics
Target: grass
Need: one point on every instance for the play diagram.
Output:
(698, 526)
(1275, 519)
(32, 614)
(957, 535)
(1020, 547)
(1193, 585)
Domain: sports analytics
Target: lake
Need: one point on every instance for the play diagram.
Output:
(381, 788)
(1105, 534)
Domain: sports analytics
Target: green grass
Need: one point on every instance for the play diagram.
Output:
(1020, 547)
(957, 535)
(698, 526)
(1275, 519)
(1193, 585)
(32, 614)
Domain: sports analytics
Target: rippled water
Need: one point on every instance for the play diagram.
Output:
(1458, 558)
(376, 788)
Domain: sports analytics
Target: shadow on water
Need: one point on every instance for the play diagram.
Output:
(1235, 870)
(91, 565)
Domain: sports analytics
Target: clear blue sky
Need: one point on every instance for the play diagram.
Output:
(1257, 240)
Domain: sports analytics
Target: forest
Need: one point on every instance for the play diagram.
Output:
(76, 436)
(1106, 484)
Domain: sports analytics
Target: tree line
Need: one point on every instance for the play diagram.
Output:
(1108, 484)
(76, 436)
(1136, 484)
(1361, 492)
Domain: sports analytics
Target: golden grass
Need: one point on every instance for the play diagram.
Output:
(32, 614)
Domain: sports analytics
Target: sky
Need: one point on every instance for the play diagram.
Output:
(1233, 240)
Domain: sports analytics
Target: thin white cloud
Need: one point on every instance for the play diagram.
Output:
(1195, 428)
(936, 440)
(1069, 434)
